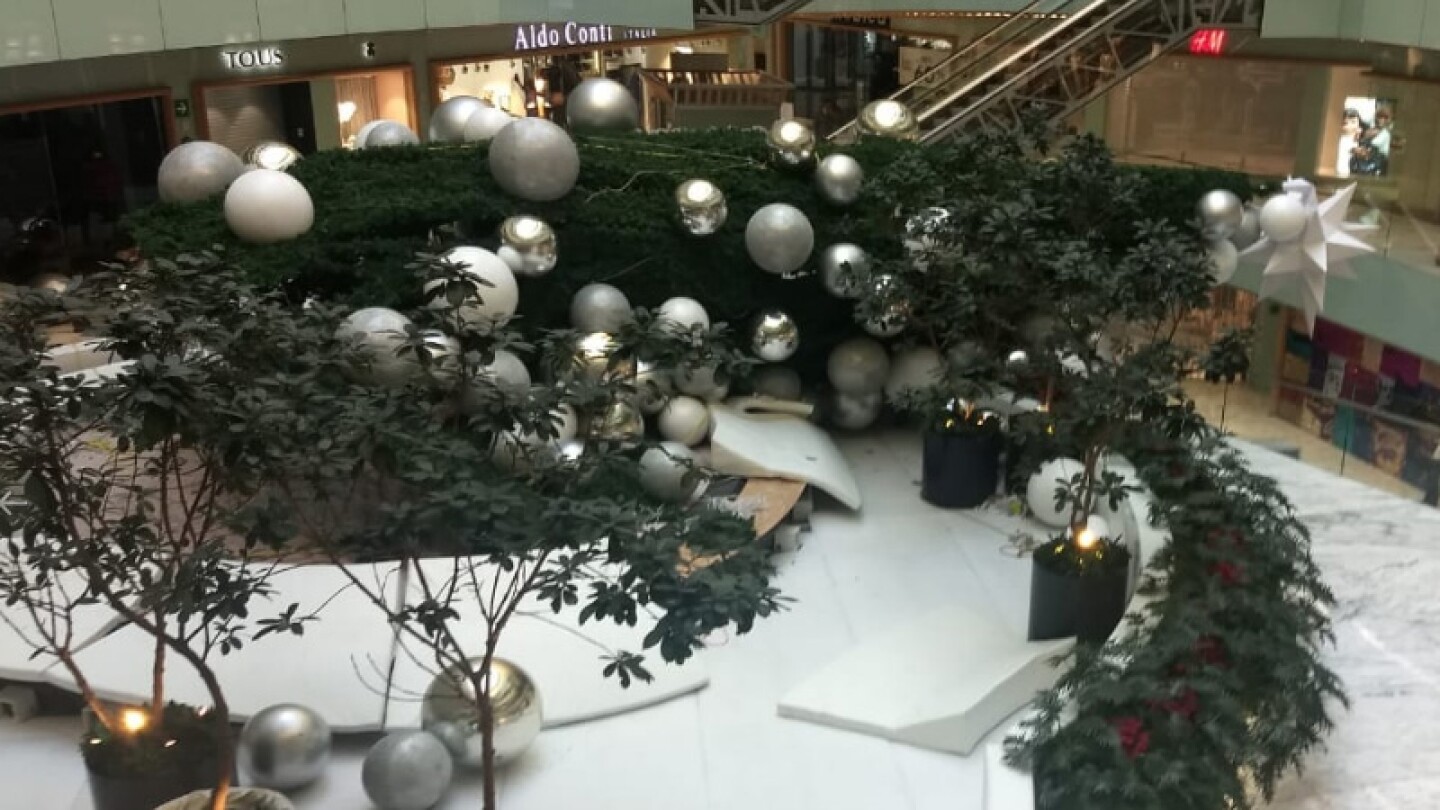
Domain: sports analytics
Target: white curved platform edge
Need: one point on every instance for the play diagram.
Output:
(17, 662)
(942, 682)
(779, 445)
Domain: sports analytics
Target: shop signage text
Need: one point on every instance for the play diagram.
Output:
(563, 35)
(251, 59)
(862, 22)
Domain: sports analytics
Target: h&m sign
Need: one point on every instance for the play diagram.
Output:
(539, 36)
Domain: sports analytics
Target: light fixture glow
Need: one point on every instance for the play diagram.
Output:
(699, 191)
(1085, 539)
(888, 113)
(347, 111)
(792, 132)
(134, 720)
(528, 228)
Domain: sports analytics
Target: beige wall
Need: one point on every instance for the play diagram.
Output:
(393, 93)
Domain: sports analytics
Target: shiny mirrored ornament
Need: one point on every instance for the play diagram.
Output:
(839, 179)
(284, 747)
(685, 420)
(854, 411)
(667, 472)
(653, 387)
(1284, 218)
(600, 308)
(1223, 259)
(533, 243)
(485, 123)
(447, 123)
(893, 315)
(409, 770)
(858, 366)
(515, 700)
(888, 118)
(272, 155)
(488, 296)
(602, 105)
(1221, 214)
(597, 358)
(197, 171)
(1017, 359)
(845, 270)
(780, 239)
(774, 336)
(923, 234)
(264, 207)
(683, 316)
(702, 206)
(792, 143)
(534, 159)
(380, 335)
(389, 133)
(913, 371)
(620, 422)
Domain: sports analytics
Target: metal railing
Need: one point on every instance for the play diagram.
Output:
(744, 12)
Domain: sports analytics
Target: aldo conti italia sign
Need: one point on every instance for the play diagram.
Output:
(540, 36)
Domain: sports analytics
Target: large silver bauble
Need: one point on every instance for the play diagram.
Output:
(777, 382)
(1223, 259)
(284, 747)
(602, 105)
(683, 316)
(535, 160)
(1221, 214)
(858, 366)
(792, 143)
(597, 358)
(600, 308)
(534, 244)
(839, 179)
(854, 411)
(888, 118)
(264, 207)
(272, 155)
(485, 123)
(410, 770)
(780, 238)
(620, 422)
(389, 133)
(1284, 218)
(1249, 231)
(685, 420)
(493, 294)
(774, 337)
(666, 471)
(381, 334)
(447, 123)
(914, 371)
(702, 207)
(894, 313)
(515, 700)
(845, 270)
(197, 171)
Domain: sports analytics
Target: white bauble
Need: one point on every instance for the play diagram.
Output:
(780, 238)
(683, 315)
(1040, 490)
(855, 411)
(508, 373)
(534, 159)
(264, 206)
(1284, 218)
(1224, 259)
(494, 295)
(567, 422)
(664, 469)
(485, 124)
(859, 366)
(600, 308)
(389, 133)
(685, 420)
(778, 382)
(197, 171)
(913, 371)
(380, 333)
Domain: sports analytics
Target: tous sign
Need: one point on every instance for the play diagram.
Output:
(253, 58)
(542, 35)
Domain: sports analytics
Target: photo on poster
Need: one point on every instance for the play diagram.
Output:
(1366, 137)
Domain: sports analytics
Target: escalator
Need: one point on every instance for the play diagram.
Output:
(744, 12)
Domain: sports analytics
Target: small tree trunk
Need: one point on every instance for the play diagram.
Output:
(481, 682)
(157, 672)
(1224, 404)
(225, 745)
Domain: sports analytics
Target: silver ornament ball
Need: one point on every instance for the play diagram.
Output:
(893, 315)
(777, 382)
(792, 143)
(518, 710)
(667, 471)
(1223, 259)
(284, 747)
(653, 387)
(683, 316)
(410, 770)
(858, 366)
(621, 422)
(774, 337)
(447, 123)
(854, 411)
(534, 242)
(264, 207)
(780, 239)
(272, 155)
(379, 335)
(912, 372)
(1221, 214)
(839, 179)
(197, 171)
(845, 270)
(535, 160)
(1249, 231)
(602, 105)
(491, 294)
(600, 308)
(1017, 359)
(485, 123)
(702, 206)
(888, 118)
(389, 133)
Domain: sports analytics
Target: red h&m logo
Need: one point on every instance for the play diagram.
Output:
(1209, 41)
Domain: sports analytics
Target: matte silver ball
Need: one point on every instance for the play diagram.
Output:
(1221, 214)
(703, 210)
(1284, 218)
(600, 308)
(447, 123)
(1223, 259)
(380, 336)
(792, 143)
(854, 411)
(778, 382)
(893, 315)
(410, 770)
(533, 242)
(602, 105)
(667, 471)
(535, 160)
(912, 372)
(683, 315)
(492, 294)
(264, 207)
(888, 118)
(485, 123)
(845, 270)
(685, 420)
(364, 133)
(197, 171)
(859, 366)
(389, 133)
(518, 709)
(508, 373)
(284, 747)
(1249, 230)
(774, 337)
(780, 238)
(272, 155)
(839, 179)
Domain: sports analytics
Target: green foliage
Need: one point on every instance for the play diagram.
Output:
(1229, 356)
(1062, 556)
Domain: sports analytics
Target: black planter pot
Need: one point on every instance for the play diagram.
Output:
(1054, 601)
(150, 791)
(960, 470)
(1100, 605)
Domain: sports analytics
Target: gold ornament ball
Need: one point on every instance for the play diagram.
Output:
(449, 704)
(775, 337)
(888, 118)
(792, 143)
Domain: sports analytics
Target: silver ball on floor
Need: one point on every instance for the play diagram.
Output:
(518, 710)
(410, 770)
(284, 747)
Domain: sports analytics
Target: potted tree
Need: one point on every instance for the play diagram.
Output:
(960, 465)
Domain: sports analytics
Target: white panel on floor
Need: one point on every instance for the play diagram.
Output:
(781, 446)
(18, 632)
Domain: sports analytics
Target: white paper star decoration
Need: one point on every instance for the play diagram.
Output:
(1324, 249)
